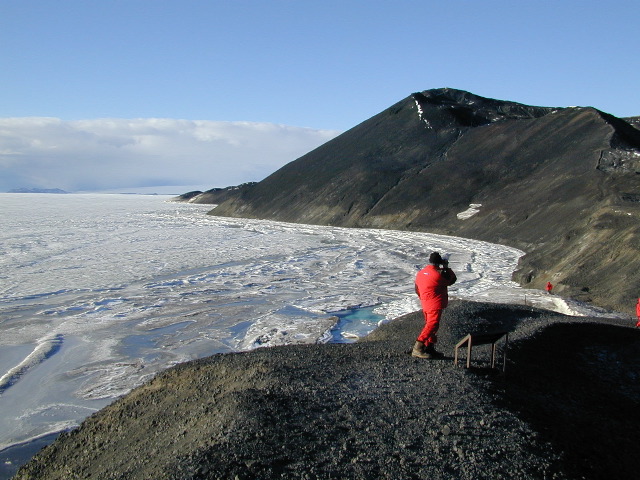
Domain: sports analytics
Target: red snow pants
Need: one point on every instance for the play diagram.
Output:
(431, 325)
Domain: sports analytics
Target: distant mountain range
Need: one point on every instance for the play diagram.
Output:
(36, 190)
(562, 184)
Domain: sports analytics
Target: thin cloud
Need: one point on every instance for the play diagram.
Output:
(105, 154)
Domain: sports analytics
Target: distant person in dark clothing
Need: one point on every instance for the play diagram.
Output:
(431, 286)
(549, 287)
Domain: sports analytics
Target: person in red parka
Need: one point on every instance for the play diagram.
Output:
(638, 313)
(549, 287)
(431, 286)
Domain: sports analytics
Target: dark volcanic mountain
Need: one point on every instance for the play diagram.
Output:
(213, 196)
(562, 184)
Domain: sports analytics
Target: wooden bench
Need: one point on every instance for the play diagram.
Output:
(474, 339)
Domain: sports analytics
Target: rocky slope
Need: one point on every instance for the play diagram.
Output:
(213, 196)
(563, 184)
(635, 121)
(564, 409)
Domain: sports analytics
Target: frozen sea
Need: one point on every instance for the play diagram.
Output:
(100, 292)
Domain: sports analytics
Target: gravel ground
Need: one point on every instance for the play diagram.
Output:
(565, 408)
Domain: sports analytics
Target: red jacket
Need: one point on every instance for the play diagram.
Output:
(431, 286)
(638, 309)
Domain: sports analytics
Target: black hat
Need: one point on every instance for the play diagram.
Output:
(435, 258)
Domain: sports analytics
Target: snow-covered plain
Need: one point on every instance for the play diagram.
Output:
(100, 292)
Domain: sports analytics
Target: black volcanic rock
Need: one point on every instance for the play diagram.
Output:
(348, 181)
(633, 121)
(213, 196)
(562, 184)
(185, 197)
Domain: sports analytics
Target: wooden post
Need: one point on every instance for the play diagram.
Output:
(473, 339)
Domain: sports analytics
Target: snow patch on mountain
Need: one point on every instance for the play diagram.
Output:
(421, 113)
(469, 212)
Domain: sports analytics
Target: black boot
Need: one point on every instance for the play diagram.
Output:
(430, 350)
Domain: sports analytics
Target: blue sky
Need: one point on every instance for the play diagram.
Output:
(319, 66)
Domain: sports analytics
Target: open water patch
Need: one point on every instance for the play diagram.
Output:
(13, 457)
(354, 323)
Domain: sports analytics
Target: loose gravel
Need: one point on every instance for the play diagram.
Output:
(566, 407)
